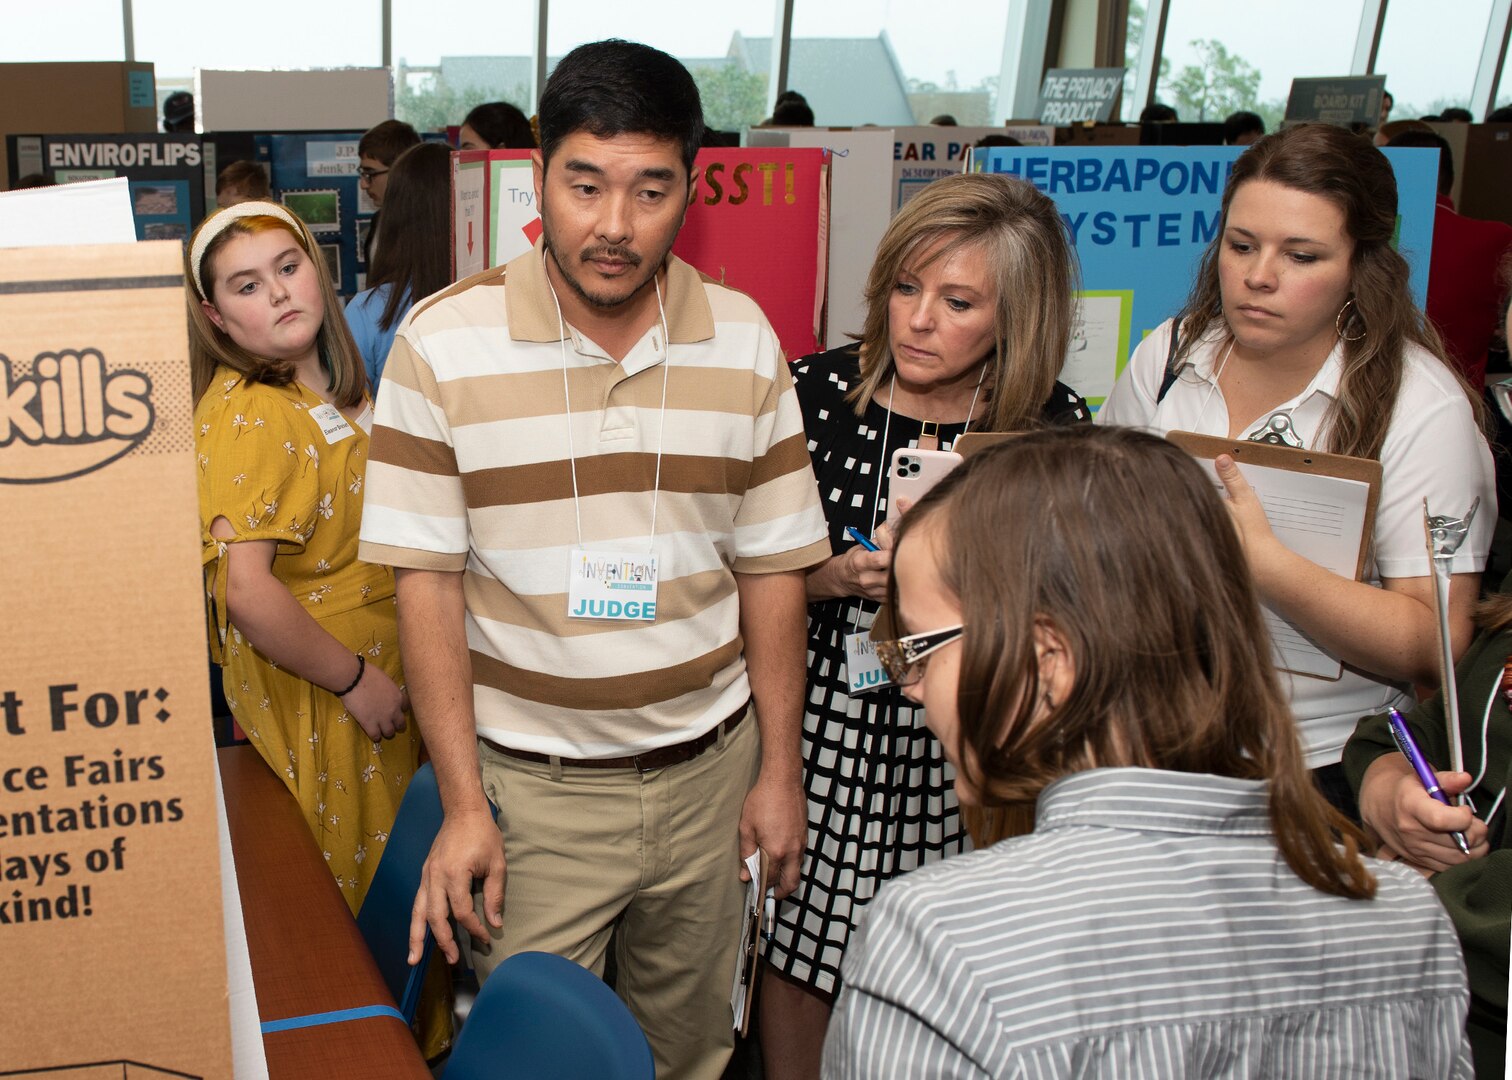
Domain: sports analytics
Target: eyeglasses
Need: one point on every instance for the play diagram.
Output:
(901, 659)
(368, 174)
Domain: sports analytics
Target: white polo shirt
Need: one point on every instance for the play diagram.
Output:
(1433, 449)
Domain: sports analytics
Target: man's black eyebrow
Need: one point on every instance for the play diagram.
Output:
(661, 173)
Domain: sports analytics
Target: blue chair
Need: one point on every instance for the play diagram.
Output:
(542, 1017)
(385, 916)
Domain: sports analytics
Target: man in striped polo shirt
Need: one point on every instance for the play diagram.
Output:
(589, 472)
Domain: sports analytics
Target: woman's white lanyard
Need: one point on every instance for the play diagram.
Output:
(863, 672)
(605, 584)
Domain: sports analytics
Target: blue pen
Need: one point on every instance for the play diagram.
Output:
(856, 535)
(1409, 748)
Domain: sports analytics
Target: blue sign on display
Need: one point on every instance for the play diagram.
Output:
(1141, 218)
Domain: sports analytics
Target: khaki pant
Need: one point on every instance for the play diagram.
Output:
(658, 854)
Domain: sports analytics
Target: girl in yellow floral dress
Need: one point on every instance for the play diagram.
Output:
(306, 633)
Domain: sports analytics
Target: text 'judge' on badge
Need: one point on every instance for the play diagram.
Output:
(612, 585)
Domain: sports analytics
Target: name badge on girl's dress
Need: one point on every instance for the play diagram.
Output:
(333, 425)
(611, 585)
(863, 671)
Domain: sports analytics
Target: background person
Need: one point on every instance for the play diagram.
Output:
(1184, 906)
(239, 182)
(1301, 309)
(970, 309)
(496, 125)
(377, 150)
(1466, 293)
(413, 257)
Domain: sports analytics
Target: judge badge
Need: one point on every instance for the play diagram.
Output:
(863, 671)
(612, 585)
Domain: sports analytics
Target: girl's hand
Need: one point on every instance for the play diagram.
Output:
(1262, 550)
(377, 704)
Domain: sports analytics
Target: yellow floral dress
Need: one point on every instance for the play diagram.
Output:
(266, 466)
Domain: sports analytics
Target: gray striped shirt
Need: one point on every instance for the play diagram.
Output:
(1148, 928)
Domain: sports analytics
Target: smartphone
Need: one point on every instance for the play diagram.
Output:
(914, 472)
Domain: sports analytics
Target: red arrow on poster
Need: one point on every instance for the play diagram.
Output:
(469, 237)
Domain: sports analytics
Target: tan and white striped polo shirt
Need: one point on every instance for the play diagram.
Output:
(470, 471)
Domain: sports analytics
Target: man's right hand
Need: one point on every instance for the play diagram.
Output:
(468, 848)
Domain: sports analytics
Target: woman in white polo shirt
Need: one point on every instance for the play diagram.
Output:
(1301, 325)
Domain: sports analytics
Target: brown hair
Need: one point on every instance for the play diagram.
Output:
(1172, 668)
(1354, 176)
(1030, 255)
(248, 177)
(210, 346)
(413, 255)
(386, 141)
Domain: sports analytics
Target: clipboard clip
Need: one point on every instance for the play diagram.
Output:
(1446, 534)
(1278, 431)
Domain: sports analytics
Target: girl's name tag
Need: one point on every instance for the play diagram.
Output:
(863, 671)
(332, 424)
(611, 585)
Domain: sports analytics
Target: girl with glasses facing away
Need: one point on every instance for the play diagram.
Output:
(1187, 903)
(970, 308)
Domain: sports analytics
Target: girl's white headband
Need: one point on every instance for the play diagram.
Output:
(217, 225)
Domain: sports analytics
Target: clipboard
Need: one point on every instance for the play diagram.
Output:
(1315, 517)
(1292, 459)
(755, 923)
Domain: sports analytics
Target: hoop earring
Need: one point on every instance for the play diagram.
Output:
(1353, 311)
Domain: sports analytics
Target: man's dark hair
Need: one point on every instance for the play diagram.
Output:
(1157, 113)
(1431, 141)
(386, 141)
(615, 87)
(1241, 124)
(1456, 115)
(1502, 115)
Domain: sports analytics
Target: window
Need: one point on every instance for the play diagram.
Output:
(48, 33)
(276, 34)
(1221, 57)
(1429, 54)
(440, 74)
(726, 45)
(860, 62)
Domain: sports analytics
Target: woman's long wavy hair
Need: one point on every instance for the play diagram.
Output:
(210, 346)
(1033, 267)
(1349, 172)
(1171, 660)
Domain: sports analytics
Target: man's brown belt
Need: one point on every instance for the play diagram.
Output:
(648, 761)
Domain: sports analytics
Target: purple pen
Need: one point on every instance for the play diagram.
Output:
(1409, 748)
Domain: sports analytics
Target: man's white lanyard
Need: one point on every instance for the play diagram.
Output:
(613, 584)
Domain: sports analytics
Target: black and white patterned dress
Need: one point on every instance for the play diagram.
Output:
(881, 796)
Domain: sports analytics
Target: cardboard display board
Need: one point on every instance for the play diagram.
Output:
(104, 96)
(1348, 99)
(1141, 219)
(336, 99)
(110, 903)
(922, 155)
(758, 223)
(166, 173)
(1079, 95)
(1482, 182)
(860, 206)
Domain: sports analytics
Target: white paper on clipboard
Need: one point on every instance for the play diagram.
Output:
(1321, 518)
